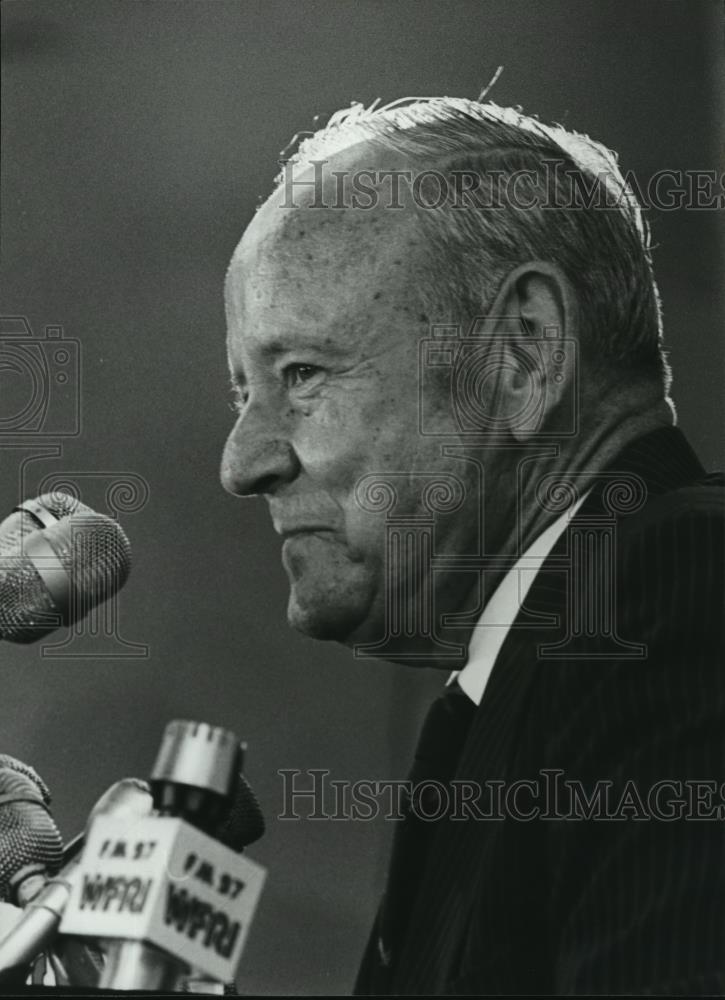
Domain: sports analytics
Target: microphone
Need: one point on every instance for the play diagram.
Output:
(31, 849)
(169, 890)
(30, 842)
(38, 926)
(59, 559)
(198, 776)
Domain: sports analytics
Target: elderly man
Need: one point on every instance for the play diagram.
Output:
(445, 337)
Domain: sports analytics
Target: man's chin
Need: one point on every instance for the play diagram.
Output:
(331, 595)
(335, 623)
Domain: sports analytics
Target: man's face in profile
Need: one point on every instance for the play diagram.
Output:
(324, 321)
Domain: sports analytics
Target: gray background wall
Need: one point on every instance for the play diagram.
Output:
(137, 140)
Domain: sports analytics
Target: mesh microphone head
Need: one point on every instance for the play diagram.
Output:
(21, 523)
(243, 822)
(28, 834)
(96, 555)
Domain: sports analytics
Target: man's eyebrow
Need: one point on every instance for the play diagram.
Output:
(277, 344)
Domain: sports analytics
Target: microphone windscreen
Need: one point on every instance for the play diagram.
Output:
(28, 833)
(96, 556)
(243, 822)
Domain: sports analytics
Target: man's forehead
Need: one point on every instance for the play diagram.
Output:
(318, 212)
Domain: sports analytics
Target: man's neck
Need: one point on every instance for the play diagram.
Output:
(577, 463)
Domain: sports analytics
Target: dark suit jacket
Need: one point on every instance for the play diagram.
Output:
(633, 904)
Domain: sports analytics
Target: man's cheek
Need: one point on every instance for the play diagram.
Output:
(365, 530)
(336, 457)
(321, 441)
(361, 419)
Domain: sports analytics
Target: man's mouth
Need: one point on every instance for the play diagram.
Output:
(302, 529)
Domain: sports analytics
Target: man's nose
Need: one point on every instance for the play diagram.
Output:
(256, 459)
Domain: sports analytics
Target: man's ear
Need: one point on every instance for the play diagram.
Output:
(534, 320)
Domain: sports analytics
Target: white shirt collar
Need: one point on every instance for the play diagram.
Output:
(504, 605)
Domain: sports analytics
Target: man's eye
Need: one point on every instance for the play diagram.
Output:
(296, 374)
